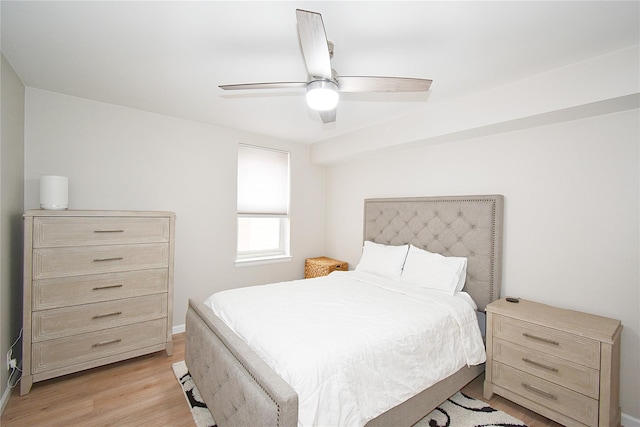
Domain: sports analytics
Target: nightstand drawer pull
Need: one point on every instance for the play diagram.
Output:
(108, 231)
(100, 316)
(540, 365)
(540, 392)
(547, 340)
(97, 288)
(100, 344)
(117, 258)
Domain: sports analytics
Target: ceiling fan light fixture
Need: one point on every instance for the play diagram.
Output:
(322, 95)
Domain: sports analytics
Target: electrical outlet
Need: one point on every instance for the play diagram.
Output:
(11, 362)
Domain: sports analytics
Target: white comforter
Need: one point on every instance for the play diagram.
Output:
(353, 345)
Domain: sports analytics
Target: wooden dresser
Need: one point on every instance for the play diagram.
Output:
(562, 364)
(98, 288)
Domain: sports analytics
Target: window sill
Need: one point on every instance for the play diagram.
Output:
(246, 262)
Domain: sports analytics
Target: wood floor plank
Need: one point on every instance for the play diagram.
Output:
(144, 391)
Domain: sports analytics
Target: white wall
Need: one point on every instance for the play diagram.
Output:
(120, 158)
(571, 213)
(11, 198)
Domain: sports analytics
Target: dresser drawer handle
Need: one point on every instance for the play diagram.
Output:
(117, 258)
(547, 340)
(98, 288)
(100, 344)
(540, 365)
(540, 392)
(100, 316)
(108, 231)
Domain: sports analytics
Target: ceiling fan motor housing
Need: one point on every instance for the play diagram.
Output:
(322, 95)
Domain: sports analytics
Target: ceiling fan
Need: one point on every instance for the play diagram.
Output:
(324, 84)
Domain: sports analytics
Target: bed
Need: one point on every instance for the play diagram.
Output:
(240, 388)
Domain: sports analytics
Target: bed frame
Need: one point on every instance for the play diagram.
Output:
(242, 390)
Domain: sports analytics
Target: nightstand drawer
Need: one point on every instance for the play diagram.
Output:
(76, 261)
(78, 231)
(559, 371)
(551, 341)
(574, 405)
(67, 321)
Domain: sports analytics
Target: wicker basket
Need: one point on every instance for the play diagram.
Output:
(321, 266)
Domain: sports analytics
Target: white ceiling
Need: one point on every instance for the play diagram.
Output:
(170, 57)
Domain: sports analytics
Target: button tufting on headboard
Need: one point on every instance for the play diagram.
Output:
(468, 226)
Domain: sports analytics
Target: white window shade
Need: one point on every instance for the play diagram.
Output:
(263, 181)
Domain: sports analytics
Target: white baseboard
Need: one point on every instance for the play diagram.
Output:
(178, 329)
(629, 421)
(5, 399)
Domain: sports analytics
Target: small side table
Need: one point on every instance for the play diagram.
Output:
(322, 266)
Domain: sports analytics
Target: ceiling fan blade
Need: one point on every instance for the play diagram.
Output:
(382, 84)
(272, 85)
(313, 41)
(328, 116)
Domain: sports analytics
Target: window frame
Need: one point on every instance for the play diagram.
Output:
(282, 253)
(255, 255)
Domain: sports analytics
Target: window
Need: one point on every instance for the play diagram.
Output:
(263, 204)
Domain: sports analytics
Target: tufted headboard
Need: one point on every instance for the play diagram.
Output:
(464, 226)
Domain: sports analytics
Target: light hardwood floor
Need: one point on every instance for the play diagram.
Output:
(144, 392)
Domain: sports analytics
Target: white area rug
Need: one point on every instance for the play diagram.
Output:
(201, 414)
(458, 411)
(461, 410)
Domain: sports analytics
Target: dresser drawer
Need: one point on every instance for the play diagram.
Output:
(90, 231)
(76, 290)
(76, 261)
(559, 371)
(554, 342)
(65, 352)
(64, 322)
(574, 405)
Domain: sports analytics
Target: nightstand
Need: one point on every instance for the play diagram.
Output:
(560, 363)
(321, 266)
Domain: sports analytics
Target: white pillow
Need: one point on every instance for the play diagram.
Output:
(434, 271)
(383, 260)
